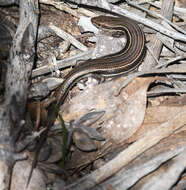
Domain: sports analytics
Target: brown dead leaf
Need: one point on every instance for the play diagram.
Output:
(155, 116)
(80, 159)
(129, 116)
(83, 141)
(181, 3)
(124, 113)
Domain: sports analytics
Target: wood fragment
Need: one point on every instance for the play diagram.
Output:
(150, 139)
(12, 111)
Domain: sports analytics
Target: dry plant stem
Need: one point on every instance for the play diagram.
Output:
(166, 11)
(147, 22)
(144, 1)
(178, 58)
(151, 54)
(169, 70)
(168, 42)
(166, 91)
(180, 47)
(8, 2)
(68, 37)
(155, 26)
(164, 17)
(68, 62)
(86, 12)
(61, 6)
(150, 139)
(12, 111)
(177, 10)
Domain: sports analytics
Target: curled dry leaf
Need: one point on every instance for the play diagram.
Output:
(124, 113)
(45, 152)
(56, 152)
(88, 119)
(92, 133)
(83, 141)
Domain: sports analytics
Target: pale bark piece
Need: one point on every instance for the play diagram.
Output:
(20, 177)
(12, 109)
(124, 113)
(4, 178)
(140, 171)
(166, 176)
